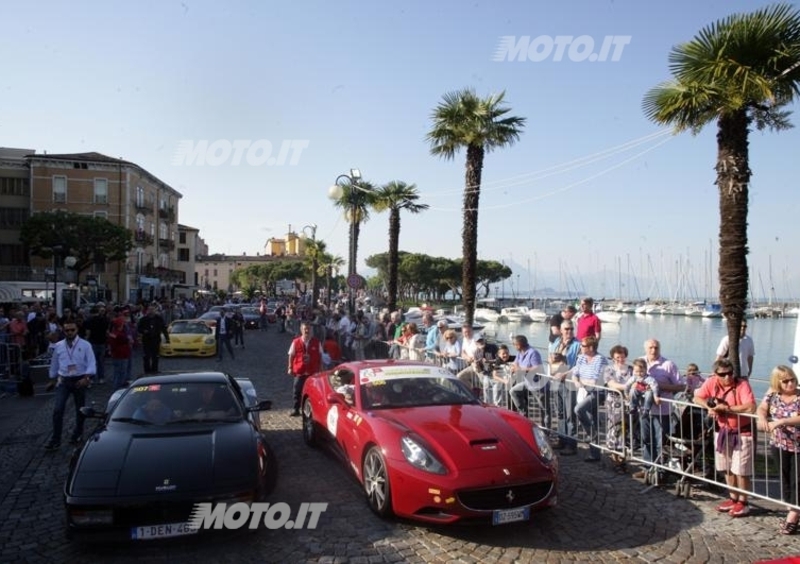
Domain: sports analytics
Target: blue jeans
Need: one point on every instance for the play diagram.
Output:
(68, 387)
(654, 429)
(565, 402)
(120, 371)
(586, 412)
(224, 340)
(297, 391)
(99, 358)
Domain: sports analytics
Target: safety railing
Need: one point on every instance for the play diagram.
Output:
(678, 442)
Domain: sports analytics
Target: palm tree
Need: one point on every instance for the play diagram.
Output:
(356, 201)
(328, 264)
(396, 196)
(740, 71)
(314, 249)
(462, 119)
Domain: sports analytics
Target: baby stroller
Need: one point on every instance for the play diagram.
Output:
(691, 442)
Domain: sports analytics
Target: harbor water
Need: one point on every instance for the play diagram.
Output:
(683, 340)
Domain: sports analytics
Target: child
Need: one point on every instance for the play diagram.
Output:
(693, 378)
(642, 389)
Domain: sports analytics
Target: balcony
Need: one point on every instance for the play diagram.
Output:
(143, 207)
(165, 275)
(166, 244)
(167, 213)
(142, 238)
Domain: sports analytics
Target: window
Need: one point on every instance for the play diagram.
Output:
(11, 218)
(163, 205)
(103, 214)
(182, 238)
(183, 255)
(12, 255)
(215, 272)
(139, 197)
(140, 222)
(59, 189)
(100, 190)
(14, 187)
(162, 231)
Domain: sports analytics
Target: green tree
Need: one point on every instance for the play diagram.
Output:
(738, 72)
(396, 196)
(356, 201)
(480, 125)
(91, 240)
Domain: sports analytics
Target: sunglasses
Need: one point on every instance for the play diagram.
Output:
(789, 381)
(724, 374)
(566, 328)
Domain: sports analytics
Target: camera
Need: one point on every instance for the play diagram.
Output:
(712, 402)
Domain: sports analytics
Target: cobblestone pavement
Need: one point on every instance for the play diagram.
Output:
(601, 517)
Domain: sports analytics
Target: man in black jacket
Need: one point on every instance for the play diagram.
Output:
(150, 329)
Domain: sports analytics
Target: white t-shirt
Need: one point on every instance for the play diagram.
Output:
(746, 349)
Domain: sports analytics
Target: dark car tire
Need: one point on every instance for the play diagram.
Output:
(271, 477)
(376, 483)
(310, 434)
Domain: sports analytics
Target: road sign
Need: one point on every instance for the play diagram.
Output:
(355, 281)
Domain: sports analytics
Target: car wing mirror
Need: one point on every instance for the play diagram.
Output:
(91, 413)
(263, 405)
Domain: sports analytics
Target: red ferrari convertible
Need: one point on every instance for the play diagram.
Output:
(425, 448)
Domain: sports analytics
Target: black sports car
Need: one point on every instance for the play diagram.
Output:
(164, 444)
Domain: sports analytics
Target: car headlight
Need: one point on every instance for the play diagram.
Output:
(544, 445)
(85, 517)
(420, 457)
(210, 341)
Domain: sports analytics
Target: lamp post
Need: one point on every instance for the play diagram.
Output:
(336, 192)
(313, 228)
(69, 262)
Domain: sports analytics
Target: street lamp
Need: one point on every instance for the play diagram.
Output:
(313, 228)
(336, 192)
(69, 262)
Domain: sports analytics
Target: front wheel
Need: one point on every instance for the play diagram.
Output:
(309, 427)
(376, 483)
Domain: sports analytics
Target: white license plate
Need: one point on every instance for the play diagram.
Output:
(162, 531)
(503, 516)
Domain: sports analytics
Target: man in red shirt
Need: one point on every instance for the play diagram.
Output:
(305, 359)
(588, 322)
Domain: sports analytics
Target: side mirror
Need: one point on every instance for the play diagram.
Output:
(91, 413)
(263, 405)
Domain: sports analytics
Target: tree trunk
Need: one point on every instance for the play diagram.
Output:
(733, 181)
(394, 238)
(469, 235)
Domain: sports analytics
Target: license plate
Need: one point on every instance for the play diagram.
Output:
(503, 516)
(162, 531)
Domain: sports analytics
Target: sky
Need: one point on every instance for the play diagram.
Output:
(593, 196)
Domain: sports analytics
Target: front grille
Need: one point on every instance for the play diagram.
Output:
(505, 497)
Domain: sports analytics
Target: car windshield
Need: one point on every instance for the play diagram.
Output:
(250, 311)
(189, 328)
(178, 402)
(414, 392)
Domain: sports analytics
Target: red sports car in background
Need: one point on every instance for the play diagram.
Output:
(425, 448)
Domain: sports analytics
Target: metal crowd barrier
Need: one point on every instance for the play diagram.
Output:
(10, 360)
(690, 437)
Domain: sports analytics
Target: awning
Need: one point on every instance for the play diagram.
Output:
(9, 294)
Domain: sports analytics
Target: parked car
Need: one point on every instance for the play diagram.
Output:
(164, 444)
(423, 447)
(252, 317)
(189, 338)
(211, 318)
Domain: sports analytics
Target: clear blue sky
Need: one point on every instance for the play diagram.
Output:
(358, 82)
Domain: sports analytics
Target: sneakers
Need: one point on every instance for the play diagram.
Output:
(294, 413)
(726, 506)
(52, 446)
(640, 475)
(739, 509)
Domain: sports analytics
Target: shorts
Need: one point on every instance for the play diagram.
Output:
(738, 460)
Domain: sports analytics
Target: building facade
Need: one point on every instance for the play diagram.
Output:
(127, 195)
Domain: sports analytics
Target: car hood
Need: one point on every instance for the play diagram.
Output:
(470, 436)
(190, 338)
(207, 459)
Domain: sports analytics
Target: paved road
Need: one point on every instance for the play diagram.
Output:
(601, 517)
